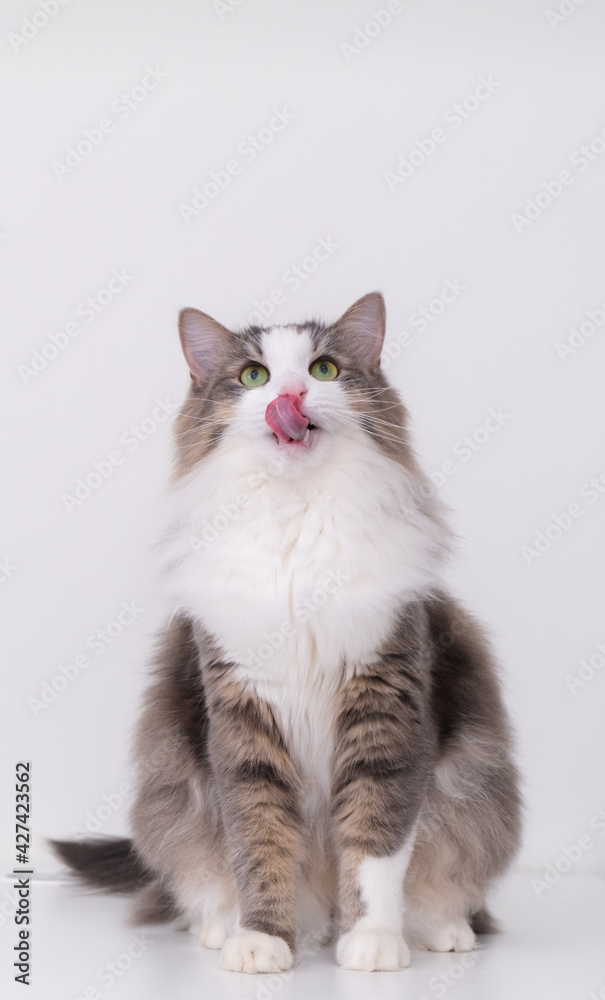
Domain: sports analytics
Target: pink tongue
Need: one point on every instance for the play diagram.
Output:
(284, 417)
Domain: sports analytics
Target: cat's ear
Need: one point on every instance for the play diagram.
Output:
(363, 326)
(203, 341)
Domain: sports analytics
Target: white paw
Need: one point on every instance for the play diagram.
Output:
(455, 936)
(253, 951)
(212, 934)
(372, 951)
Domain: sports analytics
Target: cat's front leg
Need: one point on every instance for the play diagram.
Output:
(381, 763)
(258, 789)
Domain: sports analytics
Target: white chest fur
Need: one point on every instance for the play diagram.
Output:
(298, 580)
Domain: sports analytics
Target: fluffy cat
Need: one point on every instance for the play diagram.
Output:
(323, 753)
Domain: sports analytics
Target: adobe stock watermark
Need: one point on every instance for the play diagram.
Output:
(8, 905)
(561, 14)
(97, 642)
(453, 118)
(121, 109)
(569, 856)
(581, 333)
(467, 447)
(421, 318)
(270, 986)
(441, 984)
(303, 612)
(561, 522)
(227, 513)
(292, 278)
(110, 804)
(46, 10)
(551, 190)
(87, 310)
(248, 149)
(222, 8)
(365, 33)
(108, 974)
(132, 438)
(588, 669)
(113, 802)
(7, 570)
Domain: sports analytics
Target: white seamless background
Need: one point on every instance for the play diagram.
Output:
(117, 115)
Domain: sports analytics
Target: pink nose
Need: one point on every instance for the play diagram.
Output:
(285, 418)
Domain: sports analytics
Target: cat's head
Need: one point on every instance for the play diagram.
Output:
(288, 391)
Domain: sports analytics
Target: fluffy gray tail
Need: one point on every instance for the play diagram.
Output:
(109, 863)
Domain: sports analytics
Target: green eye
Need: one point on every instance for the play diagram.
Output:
(323, 370)
(254, 375)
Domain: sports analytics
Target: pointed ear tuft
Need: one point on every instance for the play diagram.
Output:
(202, 339)
(364, 325)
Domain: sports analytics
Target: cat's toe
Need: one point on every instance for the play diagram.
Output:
(372, 951)
(254, 951)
